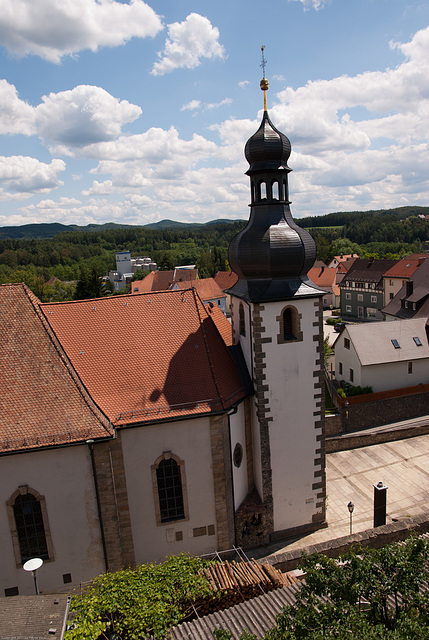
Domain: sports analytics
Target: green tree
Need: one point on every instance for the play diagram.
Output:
(138, 603)
(89, 284)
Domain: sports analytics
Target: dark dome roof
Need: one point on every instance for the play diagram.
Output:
(268, 148)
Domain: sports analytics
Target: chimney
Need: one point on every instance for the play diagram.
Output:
(409, 287)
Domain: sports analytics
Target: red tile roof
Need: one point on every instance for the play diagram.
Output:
(225, 279)
(148, 357)
(42, 402)
(206, 288)
(323, 276)
(163, 280)
(404, 268)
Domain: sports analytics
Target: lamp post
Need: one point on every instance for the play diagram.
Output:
(32, 565)
(351, 507)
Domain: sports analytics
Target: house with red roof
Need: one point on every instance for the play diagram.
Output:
(396, 277)
(163, 280)
(207, 289)
(139, 426)
(325, 278)
(225, 280)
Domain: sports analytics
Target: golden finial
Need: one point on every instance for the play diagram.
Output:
(264, 82)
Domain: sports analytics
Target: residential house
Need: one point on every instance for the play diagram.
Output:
(383, 355)
(325, 278)
(163, 280)
(207, 289)
(412, 300)
(395, 278)
(225, 280)
(361, 290)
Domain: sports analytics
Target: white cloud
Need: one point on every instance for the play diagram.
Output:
(53, 29)
(21, 174)
(216, 105)
(188, 42)
(16, 116)
(243, 83)
(82, 116)
(315, 4)
(191, 106)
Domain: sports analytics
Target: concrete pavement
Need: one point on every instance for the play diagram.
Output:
(402, 465)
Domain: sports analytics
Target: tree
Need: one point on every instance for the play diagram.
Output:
(141, 602)
(372, 594)
(368, 594)
(89, 284)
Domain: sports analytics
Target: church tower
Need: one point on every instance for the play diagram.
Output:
(277, 319)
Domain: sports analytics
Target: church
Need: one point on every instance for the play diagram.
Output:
(139, 426)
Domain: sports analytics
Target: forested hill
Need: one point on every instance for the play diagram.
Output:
(51, 258)
(341, 218)
(337, 219)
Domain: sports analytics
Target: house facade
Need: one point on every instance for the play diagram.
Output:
(362, 289)
(383, 355)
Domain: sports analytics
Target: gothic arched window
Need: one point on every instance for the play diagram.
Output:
(262, 191)
(242, 328)
(168, 476)
(29, 525)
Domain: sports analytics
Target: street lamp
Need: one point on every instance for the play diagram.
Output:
(351, 507)
(32, 565)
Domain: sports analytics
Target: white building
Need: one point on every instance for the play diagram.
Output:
(383, 355)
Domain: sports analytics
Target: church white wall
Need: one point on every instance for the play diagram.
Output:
(189, 440)
(292, 402)
(239, 474)
(64, 477)
(246, 347)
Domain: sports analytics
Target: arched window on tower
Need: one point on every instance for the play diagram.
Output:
(275, 190)
(262, 191)
(290, 325)
(242, 328)
(29, 525)
(169, 483)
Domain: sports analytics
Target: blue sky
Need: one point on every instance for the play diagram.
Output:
(131, 112)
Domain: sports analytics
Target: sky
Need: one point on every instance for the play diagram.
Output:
(132, 112)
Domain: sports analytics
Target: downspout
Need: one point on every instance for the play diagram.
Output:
(90, 444)
(232, 413)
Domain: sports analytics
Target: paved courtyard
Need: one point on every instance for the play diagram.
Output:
(402, 465)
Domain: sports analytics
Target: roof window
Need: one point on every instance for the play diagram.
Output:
(417, 341)
(396, 344)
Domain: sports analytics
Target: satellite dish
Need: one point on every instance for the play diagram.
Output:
(33, 564)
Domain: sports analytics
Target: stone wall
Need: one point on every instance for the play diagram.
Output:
(376, 409)
(375, 538)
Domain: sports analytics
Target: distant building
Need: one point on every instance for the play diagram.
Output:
(126, 266)
(225, 280)
(207, 289)
(164, 280)
(361, 289)
(395, 278)
(412, 300)
(325, 278)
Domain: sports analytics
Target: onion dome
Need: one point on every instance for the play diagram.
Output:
(268, 148)
(272, 255)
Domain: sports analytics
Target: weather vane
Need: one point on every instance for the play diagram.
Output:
(264, 62)
(264, 81)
